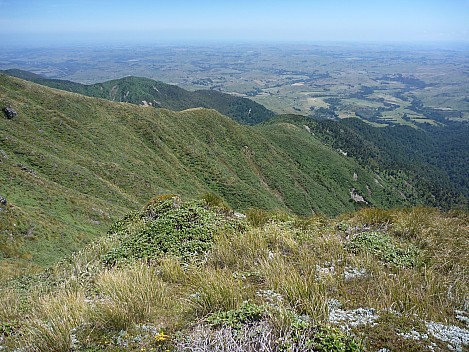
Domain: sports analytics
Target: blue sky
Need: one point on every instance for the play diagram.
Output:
(66, 21)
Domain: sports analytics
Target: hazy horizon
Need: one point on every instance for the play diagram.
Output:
(54, 22)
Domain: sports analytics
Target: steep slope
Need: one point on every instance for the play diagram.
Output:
(143, 91)
(435, 157)
(71, 164)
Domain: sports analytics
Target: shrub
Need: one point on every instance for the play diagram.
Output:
(166, 226)
(382, 246)
(327, 339)
(236, 318)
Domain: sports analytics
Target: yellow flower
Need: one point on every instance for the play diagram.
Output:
(161, 337)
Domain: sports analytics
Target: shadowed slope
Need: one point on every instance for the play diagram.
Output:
(145, 91)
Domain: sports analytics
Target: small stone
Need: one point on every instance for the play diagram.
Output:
(239, 215)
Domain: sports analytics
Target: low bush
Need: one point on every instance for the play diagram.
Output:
(236, 318)
(166, 226)
(381, 245)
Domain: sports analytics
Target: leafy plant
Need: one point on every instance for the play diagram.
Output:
(321, 338)
(384, 248)
(166, 226)
(327, 339)
(245, 314)
(8, 328)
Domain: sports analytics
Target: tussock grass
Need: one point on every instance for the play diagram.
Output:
(217, 290)
(10, 304)
(286, 271)
(405, 291)
(372, 217)
(171, 270)
(136, 293)
(303, 292)
(52, 319)
(259, 217)
(433, 290)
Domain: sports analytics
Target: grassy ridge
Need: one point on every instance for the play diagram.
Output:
(136, 90)
(72, 164)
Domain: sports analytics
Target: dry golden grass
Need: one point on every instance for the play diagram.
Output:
(51, 321)
(302, 262)
(130, 295)
(10, 304)
(216, 290)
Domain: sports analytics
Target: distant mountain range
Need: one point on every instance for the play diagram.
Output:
(145, 91)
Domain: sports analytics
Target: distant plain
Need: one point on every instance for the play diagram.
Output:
(383, 84)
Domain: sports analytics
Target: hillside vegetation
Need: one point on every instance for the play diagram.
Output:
(432, 158)
(70, 165)
(195, 276)
(145, 91)
(435, 156)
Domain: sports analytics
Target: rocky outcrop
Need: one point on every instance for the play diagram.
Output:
(9, 112)
(356, 197)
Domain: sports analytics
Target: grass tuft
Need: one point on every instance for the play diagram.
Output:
(128, 296)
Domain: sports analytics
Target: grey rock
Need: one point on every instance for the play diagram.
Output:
(9, 112)
(239, 215)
